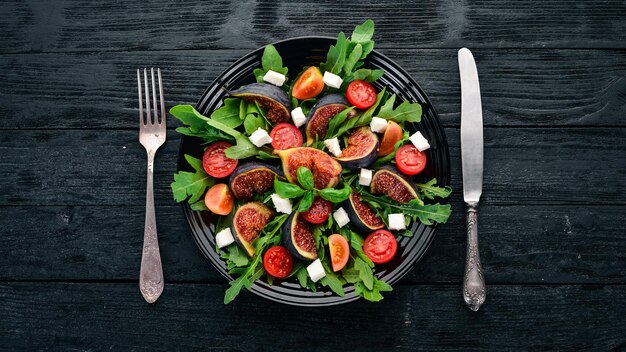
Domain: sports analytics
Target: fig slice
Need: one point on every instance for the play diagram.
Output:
(269, 97)
(252, 178)
(361, 150)
(390, 182)
(298, 238)
(361, 215)
(248, 222)
(320, 115)
(326, 170)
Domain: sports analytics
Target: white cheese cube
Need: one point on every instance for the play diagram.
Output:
(298, 117)
(224, 238)
(419, 141)
(260, 137)
(341, 217)
(282, 205)
(316, 270)
(274, 78)
(333, 146)
(365, 177)
(378, 124)
(332, 80)
(396, 222)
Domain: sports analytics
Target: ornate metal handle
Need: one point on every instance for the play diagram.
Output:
(151, 272)
(473, 281)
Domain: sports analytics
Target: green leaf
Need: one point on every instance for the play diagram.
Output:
(364, 74)
(391, 156)
(356, 242)
(199, 206)
(237, 256)
(191, 184)
(361, 120)
(351, 275)
(306, 201)
(253, 122)
(353, 57)
(196, 124)
(229, 113)
(336, 56)
(332, 281)
(302, 276)
(425, 213)
(365, 273)
(270, 60)
(263, 155)
(429, 190)
(305, 177)
(235, 288)
(243, 149)
(363, 33)
(287, 190)
(405, 112)
(188, 115)
(335, 195)
(335, 122)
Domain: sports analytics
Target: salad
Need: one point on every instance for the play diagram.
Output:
(311, 178)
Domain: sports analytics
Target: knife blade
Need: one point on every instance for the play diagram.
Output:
(474, 291)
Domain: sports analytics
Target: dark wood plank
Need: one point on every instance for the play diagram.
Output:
(522, 166)
(114, 316)
(159, 25)
(519, 87)
(519, 244)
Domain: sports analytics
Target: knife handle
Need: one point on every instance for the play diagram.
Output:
(473, 281)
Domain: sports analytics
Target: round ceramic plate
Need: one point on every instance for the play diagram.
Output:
(309, 51)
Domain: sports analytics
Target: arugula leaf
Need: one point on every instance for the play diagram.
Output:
(263, 155)
(287, 190)
(406, 111)
(229, 113)
(270, 60)
(353, 58)
(363, 33)
(236, 256)
(364, 74)
(332, 281)
(360, 120)
(243, 149)
(189, 116)
(356, 242)
(335, 122)
(336, 55)
(335, 195)
(191, 184)
(302, 276)
(253, 122)
(429, 190)
(196, 124)
(306, 201)
(391, 156)
(305, 177)
(199, 206)
(365, 273)
(415, 209)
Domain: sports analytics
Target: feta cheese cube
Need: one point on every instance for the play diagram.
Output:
(378, 124)
(365, 177)
(224, 238)
(316, 270)
(282, 205)
(274, 78)
(333, 146)
(332, 80)
(341, 217)
(396, 222)
(298, 117)
(260, 137)
(419, 141)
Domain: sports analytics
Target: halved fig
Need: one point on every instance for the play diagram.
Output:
(322, 112)
(325, 169)
(298, 238)
(361, 150)
(248, 222)
(252, 178)
(361, 215)
(269, 97)
(390, 182)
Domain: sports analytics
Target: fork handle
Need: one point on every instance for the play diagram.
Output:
(473, 281)
(151, 272)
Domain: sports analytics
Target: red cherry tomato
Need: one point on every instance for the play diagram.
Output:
(361, 94)
(285, 136)
(278, 262)
(380, 246)
(339, 251)
(216, 163)
(392, 135)
(309, 85)
(219, 199)
(319, 211)
(410, 160)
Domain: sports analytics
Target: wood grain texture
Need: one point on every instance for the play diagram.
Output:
(519, 87)
(73, 25)
(522, 166)
(187, 317)
(519, 244)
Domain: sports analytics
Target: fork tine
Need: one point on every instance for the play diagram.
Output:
(154, 98)
(141, 121)
(145, 81)
(163, 116)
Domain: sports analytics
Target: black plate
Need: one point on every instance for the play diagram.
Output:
(296, 53)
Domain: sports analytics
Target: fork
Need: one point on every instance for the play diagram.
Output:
(151, 135)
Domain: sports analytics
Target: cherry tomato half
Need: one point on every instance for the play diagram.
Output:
(380, 246)
(278, 262)
(285, 136)
(216, 163)
(339, 251)
(309, 85)
(319, 211)
(392, 135)
(410, 160)
(219, 199)
(361, 94)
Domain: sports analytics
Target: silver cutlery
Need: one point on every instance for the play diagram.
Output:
(474, 292)
(152, 134)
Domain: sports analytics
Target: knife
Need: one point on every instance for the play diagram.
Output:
(474, 292)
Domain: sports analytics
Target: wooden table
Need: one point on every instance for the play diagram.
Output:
(552, 223)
